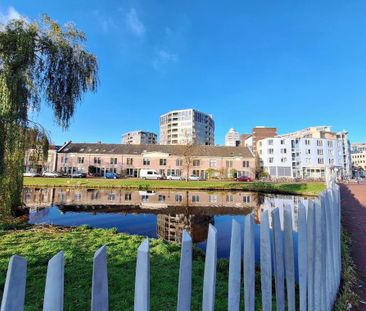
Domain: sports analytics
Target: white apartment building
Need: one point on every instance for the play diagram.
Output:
(287, 157)
(358, 147)
(139, 138)
(187, 126)
(232, 138)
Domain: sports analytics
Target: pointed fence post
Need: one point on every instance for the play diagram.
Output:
(185, 274)
(302, 256)
(99, 301)
(279, 262)
(209, 281)
(142, 281)
(249, 264)
(14, 290)
(310, 227)
(235, 267)
(266, 262)
(318, 254)
(289, 259)
(54, 290)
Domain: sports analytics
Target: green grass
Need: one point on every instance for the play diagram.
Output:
(312, 188)
(39, 244)
(347, 296)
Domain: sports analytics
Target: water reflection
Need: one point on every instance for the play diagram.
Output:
(164, 213)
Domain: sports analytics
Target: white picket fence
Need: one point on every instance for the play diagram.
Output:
(319, 265)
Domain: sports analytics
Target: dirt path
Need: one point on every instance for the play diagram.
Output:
(353, 199)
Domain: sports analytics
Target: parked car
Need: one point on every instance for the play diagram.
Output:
(193, 177)
(51, 174)
(111, 175)
(78, 175)
(31, 174)
(173, 177)
(244, 178)
(150, 174)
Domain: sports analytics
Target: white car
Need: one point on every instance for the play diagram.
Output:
(193, 177)
(51, 174)
(31, 174)
(172, 177)
(150, 174)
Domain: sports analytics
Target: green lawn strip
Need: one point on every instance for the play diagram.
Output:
(349, 279)
(313, 188)
(39, 244)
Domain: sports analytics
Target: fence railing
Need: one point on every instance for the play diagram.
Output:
(318, 265)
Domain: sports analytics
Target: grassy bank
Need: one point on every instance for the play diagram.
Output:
(312, 188)
(39, 244)
(347, 296)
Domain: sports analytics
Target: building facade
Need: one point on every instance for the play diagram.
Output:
(291, 157)
(232, 138)
(359, 160)
(358, 147)
(35, 163)
(176, 160)
(188, 126)
(261, 132)
(139, 138)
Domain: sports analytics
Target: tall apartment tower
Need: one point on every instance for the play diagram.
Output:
(139, 138)
(261, 132)
(232, 138)
(180, 127)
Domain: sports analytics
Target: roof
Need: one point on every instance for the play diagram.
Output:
(198, 150)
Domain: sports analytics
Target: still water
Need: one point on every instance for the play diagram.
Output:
(157, 214)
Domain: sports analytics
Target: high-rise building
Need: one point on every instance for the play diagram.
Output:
(186, 126)
(232, 138)
(139, 138)
(358, 147)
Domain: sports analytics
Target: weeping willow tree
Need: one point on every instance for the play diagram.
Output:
(39, 62)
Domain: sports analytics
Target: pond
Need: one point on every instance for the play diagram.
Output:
(157, 214)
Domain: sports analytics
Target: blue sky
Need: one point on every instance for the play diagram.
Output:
(288, 64)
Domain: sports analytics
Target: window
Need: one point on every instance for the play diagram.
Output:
(162, 161)
(331, 161)
(282, 141)
(195, 198)
(320, 161)
(283, 150)
(245, 163)
(113, 160)
(178, 198)
(270, 142)
(270, 160)
(178, 162)
(229, 163)
(283, 160)
(196, 172)
(129, 161)
(111, 196)
(161, 198)
(97, 160)
(229, 198)
(80, 160)
(196, 162)
(246, 199)
(212, 163)
(319, 143)
(307, 142)
(270, 151)
(146, 161)
(320, 151)
(308, 151)
(128, 196)
(330, 144)
(212, 198)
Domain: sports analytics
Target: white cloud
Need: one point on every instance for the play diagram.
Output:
(134, 23)
(163, 58)
(10, 14)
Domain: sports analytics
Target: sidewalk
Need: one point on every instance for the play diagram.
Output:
(353, 198)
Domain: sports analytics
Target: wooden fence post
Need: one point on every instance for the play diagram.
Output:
(209, 281)
(266, 262)
(249, 264)
(14, 290)
(54, 290)
(185, 274)
(99, 301)
(142, 281)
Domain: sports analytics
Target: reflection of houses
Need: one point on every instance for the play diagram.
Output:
(170, 227)
(281, 202)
